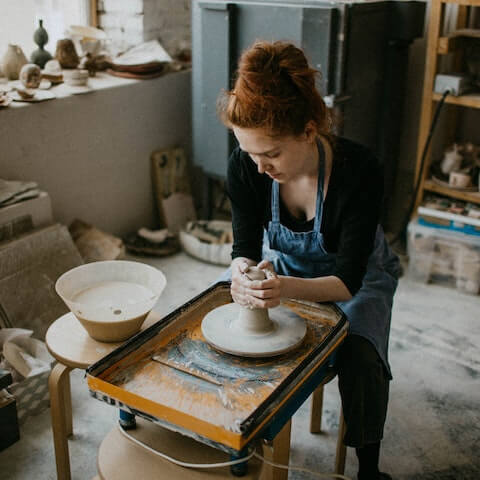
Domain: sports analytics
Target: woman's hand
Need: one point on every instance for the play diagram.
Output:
(255, 293)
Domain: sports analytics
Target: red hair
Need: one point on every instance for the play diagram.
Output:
(275, 90)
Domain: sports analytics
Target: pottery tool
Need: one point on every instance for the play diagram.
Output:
(251, 332)
(171, 375)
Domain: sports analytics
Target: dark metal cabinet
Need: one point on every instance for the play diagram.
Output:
(361, 50)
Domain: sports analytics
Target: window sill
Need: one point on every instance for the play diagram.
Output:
(101, 81)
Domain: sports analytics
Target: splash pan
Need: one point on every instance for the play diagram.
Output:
(169, 374)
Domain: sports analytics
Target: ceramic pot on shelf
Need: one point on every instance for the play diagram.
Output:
(40, 56)
(66, 53)
(12, 62)
(30, 75)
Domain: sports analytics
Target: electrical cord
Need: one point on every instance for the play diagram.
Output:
(301, 469)
(185, 464)
(404, 224)
(229, 463)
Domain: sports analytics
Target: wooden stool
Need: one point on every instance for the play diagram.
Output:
(72, 347)
(119, 458)
(316, 424)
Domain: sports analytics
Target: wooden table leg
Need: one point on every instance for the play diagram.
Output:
(278, 451)
(59, 383)
(316, 410)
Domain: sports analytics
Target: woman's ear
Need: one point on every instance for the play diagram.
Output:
(310, 132)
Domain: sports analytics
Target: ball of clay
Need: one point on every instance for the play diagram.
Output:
(66, 53)
(30, 75)
(255, 273)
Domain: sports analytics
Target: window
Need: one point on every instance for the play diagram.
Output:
(19, 20)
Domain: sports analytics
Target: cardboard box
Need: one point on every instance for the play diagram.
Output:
(24, 216)
(29, 268)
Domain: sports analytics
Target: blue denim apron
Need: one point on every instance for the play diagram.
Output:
(303, 254)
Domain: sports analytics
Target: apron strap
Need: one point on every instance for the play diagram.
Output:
(321, 180)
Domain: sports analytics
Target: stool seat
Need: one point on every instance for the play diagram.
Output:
(119, 458)
(71, 345)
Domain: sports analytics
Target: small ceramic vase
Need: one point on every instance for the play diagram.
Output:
(451, 161)
(13, 60)
(66, 53)
(30, 75)
(40, 56)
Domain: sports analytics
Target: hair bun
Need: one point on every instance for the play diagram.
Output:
(275, 89)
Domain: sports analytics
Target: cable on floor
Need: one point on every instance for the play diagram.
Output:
(231, 462)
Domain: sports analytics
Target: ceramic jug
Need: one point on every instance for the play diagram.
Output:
(13, 60)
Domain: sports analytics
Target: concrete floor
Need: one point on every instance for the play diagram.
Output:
(433, 425)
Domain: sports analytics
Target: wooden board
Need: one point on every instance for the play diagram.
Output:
(217, 396)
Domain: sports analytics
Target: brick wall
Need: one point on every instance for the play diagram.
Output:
(130, 22)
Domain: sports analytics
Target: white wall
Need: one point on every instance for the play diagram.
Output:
(130, 22)
(92, 152)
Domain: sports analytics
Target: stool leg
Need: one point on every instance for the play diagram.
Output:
(278, 451)
(316, 410)
(68, 406)
(341, 448)
(58, 383)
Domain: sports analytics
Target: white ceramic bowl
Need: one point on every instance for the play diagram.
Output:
(111, 299)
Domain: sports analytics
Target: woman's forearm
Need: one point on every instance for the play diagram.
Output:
(321, 289)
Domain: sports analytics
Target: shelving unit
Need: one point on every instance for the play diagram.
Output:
(437, 45)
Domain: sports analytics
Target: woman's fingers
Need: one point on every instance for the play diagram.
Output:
(264, 284)
(256, 302)
(267, 267)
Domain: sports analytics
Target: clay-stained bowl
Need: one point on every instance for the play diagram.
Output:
(111, 299)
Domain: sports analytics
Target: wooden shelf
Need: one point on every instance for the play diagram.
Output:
(454, 43)
(470, 100)
(472, 197)
(468, 3)
(455, 40)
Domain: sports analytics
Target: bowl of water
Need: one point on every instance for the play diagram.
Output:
(111, 299)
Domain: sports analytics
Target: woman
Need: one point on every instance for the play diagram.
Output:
(306, 206)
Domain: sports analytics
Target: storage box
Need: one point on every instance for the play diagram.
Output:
(446, 257)
(8, 420)
(32, 395)
(449, 221)
(30, 380)
(8, 413)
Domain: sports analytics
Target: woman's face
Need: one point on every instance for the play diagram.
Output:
(282, 158)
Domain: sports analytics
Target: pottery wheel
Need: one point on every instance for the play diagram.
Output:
(219, 330)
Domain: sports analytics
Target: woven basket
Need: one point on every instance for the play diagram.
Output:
(219, 254)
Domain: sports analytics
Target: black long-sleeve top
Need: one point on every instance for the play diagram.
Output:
(351, 209)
